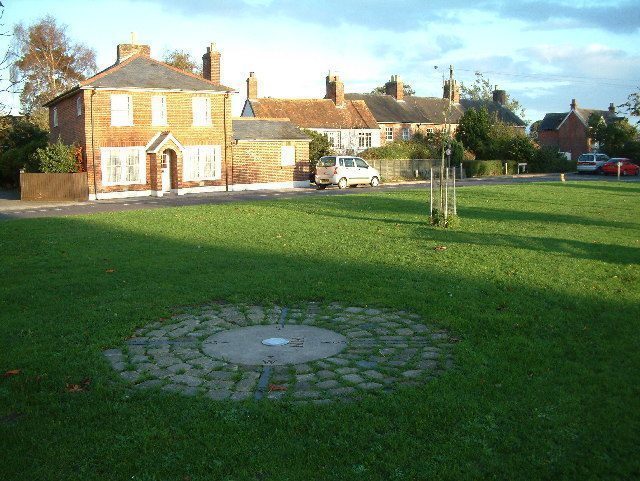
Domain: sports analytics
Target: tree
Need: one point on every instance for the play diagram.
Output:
(183, 60)
(318, 147)
(382, 90)
(534, 130)
(19, 139)
(8, 85)
(482, 89)
(46, 63)
(474, 130)
(632, 105)
(56, 158)
(613, 137)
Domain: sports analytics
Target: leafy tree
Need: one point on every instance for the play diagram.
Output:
(632, 105)
(46, 63)
(183, 60)
(19, 139)
(474, 130)
(56, 158)
(612, 136)
(319, 146)
(6, 81)
(534, 129)
(482, 89)
(382, 90)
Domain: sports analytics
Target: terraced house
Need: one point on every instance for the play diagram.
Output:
(146, 128)
(401, 116)
(348, 124)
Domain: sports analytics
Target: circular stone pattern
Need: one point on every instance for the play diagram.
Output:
(245, 345)
(334, 352)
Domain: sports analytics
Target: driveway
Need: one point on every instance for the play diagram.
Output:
(13, 208)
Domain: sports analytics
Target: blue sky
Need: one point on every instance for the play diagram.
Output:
(543, 53)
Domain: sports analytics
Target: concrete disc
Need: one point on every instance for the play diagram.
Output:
(244, 345)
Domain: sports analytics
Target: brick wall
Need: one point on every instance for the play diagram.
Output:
(571, 137)
(99, 133)
(260, 162)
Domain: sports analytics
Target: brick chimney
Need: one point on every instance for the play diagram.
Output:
(126, 50)
(455, 92)
(499, 96)
(252, 86)
(612, 109)
(211, 64)
(335, 90)
(574, 104)
(395, 87)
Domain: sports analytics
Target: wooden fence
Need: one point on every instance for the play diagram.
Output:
(45, 187)
(391, 169)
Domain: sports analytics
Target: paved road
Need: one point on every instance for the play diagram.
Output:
(12, 208)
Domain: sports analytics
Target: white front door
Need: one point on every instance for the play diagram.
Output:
(166, 172)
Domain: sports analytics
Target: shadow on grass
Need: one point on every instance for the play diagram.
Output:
(628, 187)
(96, 280)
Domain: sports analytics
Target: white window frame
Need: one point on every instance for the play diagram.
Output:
(78, 106)
(121, 117)
(55, 116)
(123, 154)
(364, 140)
(430, 130)
(388, 134)
(406, 133)
(201, 109)
(159, 110)
(198, 154)
(287, 155)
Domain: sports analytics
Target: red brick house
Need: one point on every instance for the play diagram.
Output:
(569, 131)
(348, 124)
(401, 116)
(146, 128)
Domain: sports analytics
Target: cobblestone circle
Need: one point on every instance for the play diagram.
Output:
(385, 350)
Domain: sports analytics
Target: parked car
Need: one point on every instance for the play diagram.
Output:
(627, 167)
(345, 171)
(592, 163)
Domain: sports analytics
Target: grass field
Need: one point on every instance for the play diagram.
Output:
(540, 283)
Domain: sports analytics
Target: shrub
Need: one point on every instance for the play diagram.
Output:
(548, 159)
(56, 158)
(19, 139)
(480, 168)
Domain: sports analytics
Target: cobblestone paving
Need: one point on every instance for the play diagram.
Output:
(386, 349)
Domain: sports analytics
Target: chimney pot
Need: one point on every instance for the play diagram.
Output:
(335, 89)
(395, 87)
(455, 91)
(500, 96)
(211, 64)
(126, 50)
(252, 86)
(612, 108)
(574, 104)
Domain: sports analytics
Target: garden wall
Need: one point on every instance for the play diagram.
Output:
(391, 169)
(54, 187)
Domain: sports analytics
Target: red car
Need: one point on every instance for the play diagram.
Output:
(627, 167)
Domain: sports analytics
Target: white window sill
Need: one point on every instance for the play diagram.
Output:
(115, 184)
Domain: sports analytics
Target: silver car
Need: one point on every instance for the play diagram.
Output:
(592, 163)
(345, 171)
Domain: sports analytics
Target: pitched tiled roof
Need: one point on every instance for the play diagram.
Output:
(249, 128)
(552, 121)
(316, 113)
(428, 110)
(504, 114)
(142, 72)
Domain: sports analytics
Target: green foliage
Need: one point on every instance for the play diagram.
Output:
(548, 159)
(474, 130)
(183, 60)
(382, 90)
(612, 136)
(632, 105)
(438, 219)
(19, 139)
(482, 89)
(319, 146)
(480, 168)
(56, 158)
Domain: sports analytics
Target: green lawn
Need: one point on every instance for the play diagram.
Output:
(540, 283)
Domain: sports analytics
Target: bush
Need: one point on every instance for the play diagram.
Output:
(19, 139)
(481, 168)
(548, 159)
(400, 149)
(56, 158)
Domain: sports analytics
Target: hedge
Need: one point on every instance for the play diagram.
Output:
(479, 168)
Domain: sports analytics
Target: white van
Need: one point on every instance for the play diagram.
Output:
(345, 171)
